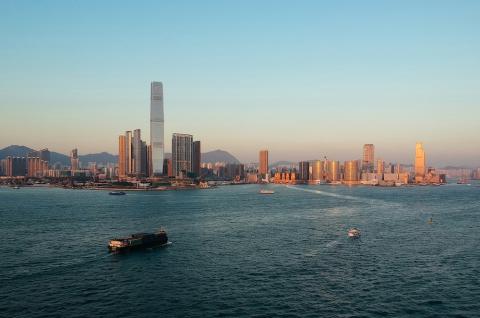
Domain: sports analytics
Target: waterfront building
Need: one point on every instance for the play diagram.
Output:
(168, 167)
(368, 157)
(263, 163)
(420, 162)
(157, 128)
(351, 172)
(317, 170)
(197, 157)
(304, 170)
(333, 170)
(380, 166)
(149, 161)
(137, 153)
(16, 166)
(128, 153)
(182, 145)
(74, 163)
(36, 167)
(122, 163)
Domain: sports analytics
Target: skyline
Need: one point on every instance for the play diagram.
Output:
(321, 79)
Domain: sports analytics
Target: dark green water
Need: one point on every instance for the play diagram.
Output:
(236, 253)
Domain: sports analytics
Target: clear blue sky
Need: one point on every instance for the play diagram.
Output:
(304, 79)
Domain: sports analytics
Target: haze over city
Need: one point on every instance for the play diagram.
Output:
(305, 81)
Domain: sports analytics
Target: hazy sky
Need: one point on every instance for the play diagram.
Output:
(304, 79)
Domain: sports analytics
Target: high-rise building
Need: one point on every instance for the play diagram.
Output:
(44, 155)
(157, 127)
(137, 153)
(129, 169)
(263, 163)
(317, 170)
(420, 162)
(368, 157)
(144, 160)
(122, 163)
(181, 154)
(380, 166)
(333, 170)
(351, 173)
(197, 157)
(304, 170)
(74, 163)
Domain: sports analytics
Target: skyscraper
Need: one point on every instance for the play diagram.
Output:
(196, 158)
(351, 171)
(137, 152)
(333, 170)
(182, 145)
(263, 163)
(368, 157)
(317, 170)
(157, 127)
(419, 162)
(380, 166)
(74, 164)
(304, 170)
(128, 153)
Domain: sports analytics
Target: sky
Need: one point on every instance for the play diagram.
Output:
(303, 79)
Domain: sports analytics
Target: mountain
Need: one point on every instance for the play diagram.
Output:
(22, 151)
(15, 151)
(104, 157)
(219, 156)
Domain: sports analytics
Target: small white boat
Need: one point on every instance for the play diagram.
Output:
(16, 187)
(263, 191)
(354, 233)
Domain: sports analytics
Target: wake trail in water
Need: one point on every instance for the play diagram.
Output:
(343, 196)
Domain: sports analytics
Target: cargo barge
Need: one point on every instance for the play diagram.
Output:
(138, 241)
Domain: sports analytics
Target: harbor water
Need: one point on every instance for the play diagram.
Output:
(237, 253)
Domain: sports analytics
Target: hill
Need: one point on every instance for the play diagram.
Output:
(105, 157)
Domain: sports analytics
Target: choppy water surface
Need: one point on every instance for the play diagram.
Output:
(238, 253)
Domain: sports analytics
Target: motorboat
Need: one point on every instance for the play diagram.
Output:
(354, 233)
(264, 191)
(117, 193)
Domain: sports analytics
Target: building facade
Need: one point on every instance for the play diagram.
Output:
(420, 162)
(368, 157)
(157, 128)
(182, 157)
(263, 163)
(197, 158)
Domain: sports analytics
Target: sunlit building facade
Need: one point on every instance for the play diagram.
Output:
(317, 170)
(157, 127)
(368, 157)
(351, 172)
(333, 171)
(263, 163)
(420, 162)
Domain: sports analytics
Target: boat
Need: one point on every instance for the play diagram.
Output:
(354, 233)
(263, 191)
(138, 241)
(117, 193)
(16, 187)
(463, 180)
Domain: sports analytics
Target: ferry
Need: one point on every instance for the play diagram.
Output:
(354, 233)
(138, 241)
(117, 193)
(263, 191)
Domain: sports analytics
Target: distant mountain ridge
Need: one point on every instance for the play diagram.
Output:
(105, 157)
(23, 151)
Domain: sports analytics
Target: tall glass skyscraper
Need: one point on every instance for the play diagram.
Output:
(182, 146)
(157, 127)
